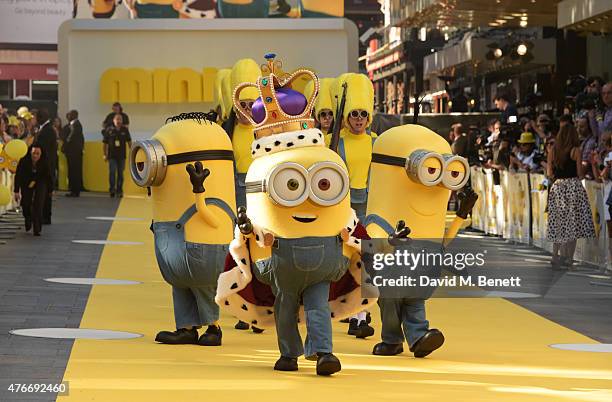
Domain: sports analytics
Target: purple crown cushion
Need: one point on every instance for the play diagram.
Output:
(292, 102)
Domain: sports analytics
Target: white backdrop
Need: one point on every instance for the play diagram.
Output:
(32, 21)
(89, 47)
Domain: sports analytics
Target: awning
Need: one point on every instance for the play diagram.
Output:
(43, 72)
(474, 50)
(585, 15)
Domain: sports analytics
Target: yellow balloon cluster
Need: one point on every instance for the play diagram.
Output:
(16, 149)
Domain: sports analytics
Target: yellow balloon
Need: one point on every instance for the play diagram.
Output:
(5, 195)
(16, 149)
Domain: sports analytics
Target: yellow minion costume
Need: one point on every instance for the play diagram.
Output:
(324, 102)
(300, 242)
(413, 173)
(241, 132)
(103, 8)
(192, 225)
(220, 104)
(355, 145)
(152, 8)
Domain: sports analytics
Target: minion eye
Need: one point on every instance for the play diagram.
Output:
(456, 172)
(289, 184)
(430, 171)
(328, 184)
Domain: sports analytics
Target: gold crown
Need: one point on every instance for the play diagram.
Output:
(276, 120)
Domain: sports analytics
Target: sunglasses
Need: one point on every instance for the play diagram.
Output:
(244, 105)
(359, 113)
(324, 115)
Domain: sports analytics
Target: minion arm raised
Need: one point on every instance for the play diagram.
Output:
(467, 199)
(197, 175)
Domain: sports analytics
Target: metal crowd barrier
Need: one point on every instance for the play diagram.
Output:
(515, 209)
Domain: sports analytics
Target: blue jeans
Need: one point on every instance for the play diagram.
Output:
(406, 313)
(115, 168)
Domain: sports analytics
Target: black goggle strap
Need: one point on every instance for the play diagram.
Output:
(388, 160)
(211, 154)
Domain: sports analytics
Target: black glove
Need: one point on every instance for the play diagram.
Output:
(197, 175)
(467, 199)
(243, 222)
(400, 236)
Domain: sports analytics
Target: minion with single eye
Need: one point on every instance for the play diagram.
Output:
(187, 165)
(300, 233)
(412, 175)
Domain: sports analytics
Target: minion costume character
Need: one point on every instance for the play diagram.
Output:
(220, 104)
(324, 106)
(355, 144)
(152, 8)
(412, 176)
(244, 8)
(192, 225)
(103, 8)
(239, 127)
(300, 235)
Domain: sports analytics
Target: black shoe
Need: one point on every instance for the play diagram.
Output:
(46, 221)
(353, 325)
(120, 195)
(364, 330)
(112, 195)
(286, 364)
(36, 233)
(241, 325)
(181, 336)
(387, 349)
(257, 330)
(212, 336)
(327, 364)
(426, 344)
(28, 226)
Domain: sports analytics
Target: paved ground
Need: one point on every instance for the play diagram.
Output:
(495, 350)
(27, 301)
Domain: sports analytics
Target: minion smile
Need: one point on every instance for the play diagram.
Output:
(305, 218)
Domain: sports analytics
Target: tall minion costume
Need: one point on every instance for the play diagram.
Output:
(413, 173)
(152, 8)
(355, 144)
(300, 235)
(324, 106)
(243, 8)
(241, 129)
(192, 223)
(103, 8)
(220, 104)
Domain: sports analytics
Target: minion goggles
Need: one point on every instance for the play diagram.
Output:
(418, 171)
(153, 171)
(289, 184)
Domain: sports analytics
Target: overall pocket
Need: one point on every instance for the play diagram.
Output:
(308, 258)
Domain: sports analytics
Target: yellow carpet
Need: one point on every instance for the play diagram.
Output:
(495, 350)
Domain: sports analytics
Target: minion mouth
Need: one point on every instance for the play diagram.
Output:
(305, 218)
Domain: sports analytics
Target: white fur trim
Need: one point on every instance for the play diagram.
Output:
(312, 137)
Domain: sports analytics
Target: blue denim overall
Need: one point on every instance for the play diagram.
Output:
(191, 268)
(302, 270)
(359, 196)
(408, 313)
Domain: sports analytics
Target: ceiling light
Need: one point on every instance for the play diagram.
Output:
(523, 24)
(521, 49)
(498, 53)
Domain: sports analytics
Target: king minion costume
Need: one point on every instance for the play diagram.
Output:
(296, 256)
(187, 165)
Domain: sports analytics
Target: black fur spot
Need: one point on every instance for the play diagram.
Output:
(234, 286)
(244, 307)
(257, 146)
(277, 143)
(343, 301)
(354, 223)
(257, 237)
(243, 261)
(188, 11)
(289, 144)
(268, 149)
(226, 303)
(356, 241)
(252, 152)
(364, 302)
(358, 264)
(254, 322)
(300, 137)
(348, 229)
(320, 135)
(270, 312)
(202, 15)
(333, 315)
(314, 141)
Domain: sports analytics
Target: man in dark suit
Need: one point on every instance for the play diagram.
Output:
(47, 140)
(73, 149)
